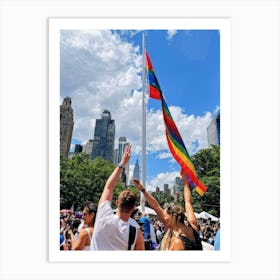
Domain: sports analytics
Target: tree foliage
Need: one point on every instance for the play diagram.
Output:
(163, 198)
(207, 165)
(82, 180)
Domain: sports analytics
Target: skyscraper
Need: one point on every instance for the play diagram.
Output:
(78, 149)
(116, 152)
(66, 126)
(213, 131)
(87, 148)
(104, 137)
(179, 181)
(166, 188)
(136, 172)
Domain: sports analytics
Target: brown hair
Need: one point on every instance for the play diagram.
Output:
(127, 200)
(177, 216)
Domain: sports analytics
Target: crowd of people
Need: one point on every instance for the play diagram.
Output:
(99, 227)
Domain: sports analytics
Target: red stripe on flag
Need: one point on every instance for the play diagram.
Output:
(154, 93)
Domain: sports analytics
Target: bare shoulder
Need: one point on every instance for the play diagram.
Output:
(83, 233)
(177, 244)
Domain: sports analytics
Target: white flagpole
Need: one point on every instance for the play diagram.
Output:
(142, 198)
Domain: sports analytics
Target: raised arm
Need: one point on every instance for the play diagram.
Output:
(163, 217)
(114, 177)
(188, 202)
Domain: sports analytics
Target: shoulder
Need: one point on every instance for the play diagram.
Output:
(104, 214)
(194, 227)
(104, 208)
(104, 204)
(133, 223)
(177, 244)
(83, 233)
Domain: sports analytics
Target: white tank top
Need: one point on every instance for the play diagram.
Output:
(87, 248)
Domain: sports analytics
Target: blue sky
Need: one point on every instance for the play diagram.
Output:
(101, 69)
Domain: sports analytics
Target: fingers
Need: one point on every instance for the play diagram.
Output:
(126, 154)
(127, 150)
(136, 182)
(183, 175)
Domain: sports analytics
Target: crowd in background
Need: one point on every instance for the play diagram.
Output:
(153, 230)
(99, 227)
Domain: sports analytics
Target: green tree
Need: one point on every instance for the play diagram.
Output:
(207, 165)
(163, 198)
(82, 179)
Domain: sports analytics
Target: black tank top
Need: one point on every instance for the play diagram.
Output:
(191, 244)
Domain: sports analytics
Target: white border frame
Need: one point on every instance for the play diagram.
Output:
(221, 24)
(255, 123)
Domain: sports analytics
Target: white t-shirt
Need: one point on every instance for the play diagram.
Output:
(110, 232)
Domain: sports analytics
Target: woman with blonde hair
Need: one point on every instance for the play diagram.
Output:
(179, 236)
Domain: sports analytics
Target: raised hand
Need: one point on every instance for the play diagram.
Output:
(126, 154)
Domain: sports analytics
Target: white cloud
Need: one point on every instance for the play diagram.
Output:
(164, 155)
(161, 179)
(192, 129)
(100, 71)
(171, 34)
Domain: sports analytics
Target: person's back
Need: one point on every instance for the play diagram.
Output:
(191, 242)
(178, 236)
(111, 232)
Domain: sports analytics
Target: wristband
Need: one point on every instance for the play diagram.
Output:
(143, 190)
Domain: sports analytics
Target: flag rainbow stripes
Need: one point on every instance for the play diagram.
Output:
(175, 142)
(155, 91)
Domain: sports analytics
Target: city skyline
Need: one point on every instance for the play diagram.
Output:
(101, 70)
(121, 145)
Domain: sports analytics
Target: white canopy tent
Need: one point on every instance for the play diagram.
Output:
(196, 215)
(204, 215)
(148, 210)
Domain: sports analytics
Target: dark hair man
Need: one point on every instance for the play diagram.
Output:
(112, 231)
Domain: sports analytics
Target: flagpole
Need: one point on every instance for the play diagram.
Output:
(142, 199)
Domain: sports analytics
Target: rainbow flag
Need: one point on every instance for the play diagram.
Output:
(175, 142)
(154, 88)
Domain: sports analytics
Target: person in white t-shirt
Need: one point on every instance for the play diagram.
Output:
(111, 231)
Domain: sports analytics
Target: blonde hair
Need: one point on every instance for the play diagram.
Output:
(177, 217)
